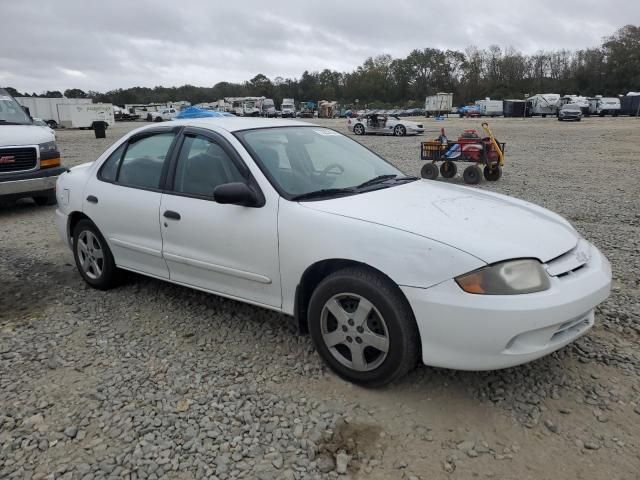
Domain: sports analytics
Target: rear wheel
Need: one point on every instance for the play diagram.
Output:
(93, 256)
(363, 327)
(48, 199)
(472, 175)
(492, 174)
(429, 171)
(448, 169)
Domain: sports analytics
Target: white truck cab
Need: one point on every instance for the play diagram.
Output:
(29, 156)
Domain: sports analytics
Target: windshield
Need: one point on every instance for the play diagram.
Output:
(300, 160)
(287, 105)
(11, 112)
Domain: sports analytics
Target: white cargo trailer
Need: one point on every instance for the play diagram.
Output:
(85, 115)
(490, 108)
(438, 104)
(46, 108)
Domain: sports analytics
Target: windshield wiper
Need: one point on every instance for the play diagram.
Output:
(376, 180)
(325, 192)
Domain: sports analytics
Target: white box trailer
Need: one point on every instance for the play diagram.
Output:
(438, 104)
(85, 115)
(46, 108)
(490, 108)
(543, 104)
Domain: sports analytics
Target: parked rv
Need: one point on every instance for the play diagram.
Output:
(490, 108)
(602, 106)
(543, 104)
(288, 108)
(438, 104)
(46, 108)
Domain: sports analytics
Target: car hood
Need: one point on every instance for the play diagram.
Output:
(489, 226)
(24, 135)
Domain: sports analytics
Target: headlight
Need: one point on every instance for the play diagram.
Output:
(48, 147)
(512, 277)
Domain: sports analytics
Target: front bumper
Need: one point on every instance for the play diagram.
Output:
(21, 184)
(485, 332)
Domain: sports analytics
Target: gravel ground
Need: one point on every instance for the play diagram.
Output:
(152, 380)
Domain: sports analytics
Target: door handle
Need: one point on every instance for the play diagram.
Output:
(172, 215)
(92, 199)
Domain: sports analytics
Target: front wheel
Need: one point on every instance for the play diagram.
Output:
(93, 256)
(363, 327)
(429, 171)
(399, 131)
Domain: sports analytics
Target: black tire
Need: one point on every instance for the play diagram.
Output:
(429, 171)
(559, 119)
(544, 115)
(358, 129)
(402, 331)
(48, 199)
(109, 275)
(399, 131)
(492, 174)
(52, 123)
(448, 169)
(149, 117)
(158, 119)
(472, 175)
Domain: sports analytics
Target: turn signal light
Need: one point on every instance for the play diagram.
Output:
(50, 162)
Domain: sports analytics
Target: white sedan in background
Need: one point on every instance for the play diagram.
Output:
(381, 268)
(382, 124)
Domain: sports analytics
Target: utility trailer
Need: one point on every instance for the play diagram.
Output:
(439, 104)
(490, 108)
(86, 115)
(46, 108)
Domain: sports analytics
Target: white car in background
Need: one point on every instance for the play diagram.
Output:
(41, 123)
(381, 268)
(162, 115)
(383, 124)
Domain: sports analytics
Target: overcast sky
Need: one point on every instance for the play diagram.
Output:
(55, 45)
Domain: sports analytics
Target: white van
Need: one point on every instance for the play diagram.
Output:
(29, 155)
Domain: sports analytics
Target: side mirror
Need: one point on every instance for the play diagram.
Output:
(236, 194)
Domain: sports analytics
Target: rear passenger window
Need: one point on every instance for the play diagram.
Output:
(143, 161)
(109, 169)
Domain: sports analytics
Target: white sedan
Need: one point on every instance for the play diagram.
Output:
(383, 124)
(381, 268)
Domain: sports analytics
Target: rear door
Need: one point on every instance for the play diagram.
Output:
(123, 200)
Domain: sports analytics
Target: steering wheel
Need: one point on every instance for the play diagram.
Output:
(325, 173)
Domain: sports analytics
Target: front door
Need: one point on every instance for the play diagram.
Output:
(227, 249)
(123, 200)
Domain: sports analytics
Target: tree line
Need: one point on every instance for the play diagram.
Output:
(383, 81)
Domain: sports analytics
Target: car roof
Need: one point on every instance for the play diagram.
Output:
(234, 124)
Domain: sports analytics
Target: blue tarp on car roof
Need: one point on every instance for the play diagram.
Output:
(195, 112)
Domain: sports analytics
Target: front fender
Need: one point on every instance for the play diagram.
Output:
(308, 236)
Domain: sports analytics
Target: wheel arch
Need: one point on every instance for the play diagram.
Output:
(317, 272)
(73, 219)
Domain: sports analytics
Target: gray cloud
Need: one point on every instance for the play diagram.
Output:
(102, 46)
